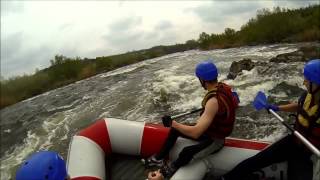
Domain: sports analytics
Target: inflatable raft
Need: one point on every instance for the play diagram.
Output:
(90, 148)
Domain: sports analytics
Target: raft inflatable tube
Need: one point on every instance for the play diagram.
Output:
(90, 147)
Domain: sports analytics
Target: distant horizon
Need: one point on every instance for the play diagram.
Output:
(32, 32)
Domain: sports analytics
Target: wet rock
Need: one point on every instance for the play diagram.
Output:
(295, 56)
(237, 67)
(304, 54)
(288, 89)
(311, 52)
(265, 67)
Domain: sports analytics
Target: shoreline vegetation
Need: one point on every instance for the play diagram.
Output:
(268, 27)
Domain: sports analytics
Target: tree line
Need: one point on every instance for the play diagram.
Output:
(269, 26)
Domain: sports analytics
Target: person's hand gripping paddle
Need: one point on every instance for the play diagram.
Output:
(260, 102)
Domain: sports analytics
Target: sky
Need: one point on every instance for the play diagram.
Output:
(33, 32)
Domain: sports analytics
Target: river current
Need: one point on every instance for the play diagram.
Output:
(144, 92)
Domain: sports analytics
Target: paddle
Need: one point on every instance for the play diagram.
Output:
(167, 120)
(186, 113)
(260, 102)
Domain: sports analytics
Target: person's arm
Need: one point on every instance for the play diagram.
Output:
(292, 107)
(203, 122)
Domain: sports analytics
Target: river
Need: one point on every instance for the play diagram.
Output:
(144, 92)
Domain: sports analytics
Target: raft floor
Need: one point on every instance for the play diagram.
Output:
(124, 167)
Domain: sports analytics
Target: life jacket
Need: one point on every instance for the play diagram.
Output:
(308, 119)
(223, 122)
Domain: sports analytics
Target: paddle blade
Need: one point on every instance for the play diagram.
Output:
(260, 101)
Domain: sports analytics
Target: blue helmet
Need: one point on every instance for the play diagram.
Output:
(43, 165)
(206, 71)
(312, 71)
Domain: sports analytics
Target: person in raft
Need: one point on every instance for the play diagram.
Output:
(215, 123)
(49, 165)
(44, 165)
(290, 148)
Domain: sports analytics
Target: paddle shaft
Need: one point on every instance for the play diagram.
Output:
(297, 134)
(185, 114)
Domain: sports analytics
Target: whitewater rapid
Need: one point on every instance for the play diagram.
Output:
(144, 92)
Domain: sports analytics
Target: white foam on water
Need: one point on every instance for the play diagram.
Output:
(20, 152)
(272, 52)
(295, 78)
(40, 138)
(86, 97)
(247, 93)
(7, 130)
(223, 78)
(295, 81)
(190, 102)
(50, 126)
(67, 129)
(136, 113)
(40, 95)
(266, 53)
(119, 71)
(275, 136)
(279, 95)
(132, 67)
(245, 78)
(52, 109)
(172, 83)
(167, 82)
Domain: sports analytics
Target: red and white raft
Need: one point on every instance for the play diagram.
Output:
(89, 148)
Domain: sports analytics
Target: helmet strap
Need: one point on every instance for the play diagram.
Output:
(311, 89)
(315, 94)
(203, 84)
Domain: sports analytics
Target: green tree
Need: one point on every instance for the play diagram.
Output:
(204, 40)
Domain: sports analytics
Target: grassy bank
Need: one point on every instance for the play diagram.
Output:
(269, 26)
